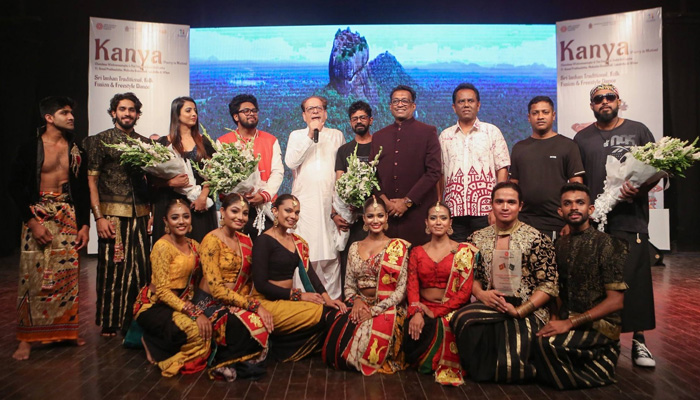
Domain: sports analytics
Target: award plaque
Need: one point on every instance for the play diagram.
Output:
(506, 271)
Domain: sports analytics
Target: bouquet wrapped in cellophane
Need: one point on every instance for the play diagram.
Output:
(643, 165)
(159, 161)
(232, 169)
(352, 190)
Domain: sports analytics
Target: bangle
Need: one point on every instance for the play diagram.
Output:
(96, 212)
(295, 295)
(253, 305)
(525, 309)
(333, 214)
(580, 319)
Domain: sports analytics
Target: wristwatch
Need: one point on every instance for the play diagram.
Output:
(408, 202)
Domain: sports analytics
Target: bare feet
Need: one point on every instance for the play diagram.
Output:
(22, 352)
(148, 353)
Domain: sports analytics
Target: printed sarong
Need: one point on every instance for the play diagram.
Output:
(47, 301)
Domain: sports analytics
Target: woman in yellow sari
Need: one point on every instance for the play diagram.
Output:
(176, 335)
(241, 324)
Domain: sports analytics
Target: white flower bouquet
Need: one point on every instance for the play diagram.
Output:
(351, 191)
(159, 161)
(648, 163)
(232, 169)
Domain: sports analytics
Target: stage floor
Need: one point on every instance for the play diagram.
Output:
(102, 369)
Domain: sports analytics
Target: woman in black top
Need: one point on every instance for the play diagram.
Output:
(186, 141)
(281, 259)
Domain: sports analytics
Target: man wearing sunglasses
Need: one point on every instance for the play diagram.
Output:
(244, 112)
(613, 135)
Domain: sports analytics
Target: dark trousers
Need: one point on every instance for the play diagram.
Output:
(464, 226)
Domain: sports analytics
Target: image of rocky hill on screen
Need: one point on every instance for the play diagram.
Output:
(351, 73)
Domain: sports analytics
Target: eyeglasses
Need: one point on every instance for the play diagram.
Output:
(360, 118)
(610, 97)
(314, 108)
(396, 102)
(248, 111)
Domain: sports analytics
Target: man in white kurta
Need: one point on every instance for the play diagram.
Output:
(313, 168)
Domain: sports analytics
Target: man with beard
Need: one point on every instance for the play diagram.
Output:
(49, 188)
(474, 159)
(629, 219)
(311, 155)
(408, 169)
(119, 202)
(360, 114)
(244, 112)
(580, 348)
(541, 164)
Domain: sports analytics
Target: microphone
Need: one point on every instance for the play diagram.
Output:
(315, 135)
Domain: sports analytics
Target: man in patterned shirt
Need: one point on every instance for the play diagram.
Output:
(474, 158)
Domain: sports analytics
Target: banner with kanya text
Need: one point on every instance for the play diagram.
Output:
(149, 59)
(625, 50)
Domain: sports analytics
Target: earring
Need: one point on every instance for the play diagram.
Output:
(294, 227)
(275, 222)
(427, 230)
(365, 228)
(167, 229)
(190, 229)
(385, 227)
(221, 221)
(450, 231)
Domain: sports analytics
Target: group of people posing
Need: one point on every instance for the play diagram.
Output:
(467, 262)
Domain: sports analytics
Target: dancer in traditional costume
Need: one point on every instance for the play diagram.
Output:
(369, 337)
(241, 325)
(515, 278)
(176, 334)
(580, 348)
(49, 188)
(288, 288)
(120, 204)
(435, 290)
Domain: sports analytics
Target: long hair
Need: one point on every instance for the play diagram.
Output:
(174, 135)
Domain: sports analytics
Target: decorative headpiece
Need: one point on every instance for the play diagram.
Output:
(374, 203)
(295, 202)
(604, 86)
(437, 206)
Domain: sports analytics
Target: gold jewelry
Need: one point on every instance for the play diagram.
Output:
(167, 229)
(365, 228)
(221, 221)
(385, 227)
(374, 203)
(275, 222)
(427, 230)
(295, 202)
(190, 229)
(437, 206)
(525, 309)
(450, 231)
(96, 212)
(580, 319)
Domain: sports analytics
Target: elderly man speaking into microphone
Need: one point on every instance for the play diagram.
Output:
(311, 157)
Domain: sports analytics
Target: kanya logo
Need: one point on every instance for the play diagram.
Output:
(604, 50)
(102, 51)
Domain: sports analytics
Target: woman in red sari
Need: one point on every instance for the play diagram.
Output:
(439, 282)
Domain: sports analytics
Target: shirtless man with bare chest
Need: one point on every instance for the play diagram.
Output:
(49, 187)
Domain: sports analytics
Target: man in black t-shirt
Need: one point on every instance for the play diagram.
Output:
(613, 136)
(360, 114)
(541, 165)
